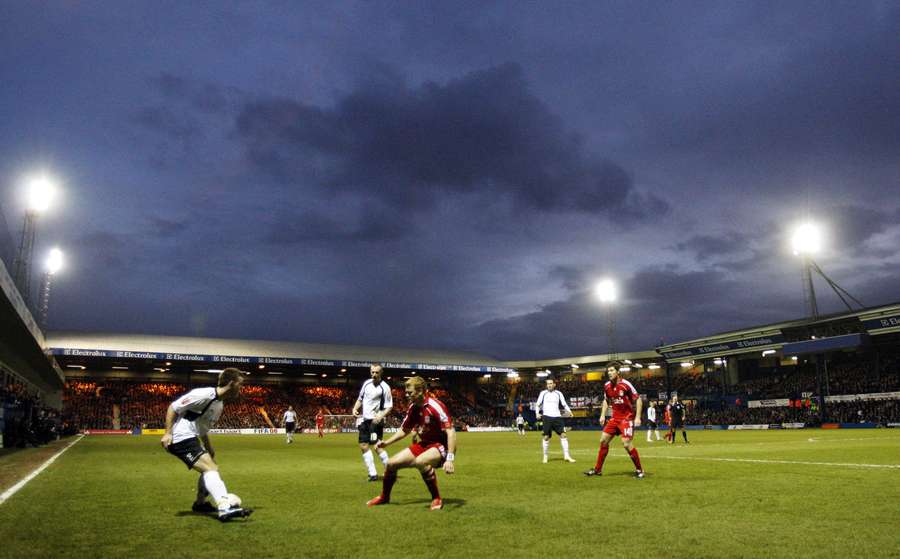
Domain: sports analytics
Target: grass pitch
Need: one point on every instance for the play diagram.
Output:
(727, 494)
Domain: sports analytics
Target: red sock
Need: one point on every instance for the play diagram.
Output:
(601, 457)
(390, 477)
(430, 479)
(636, 459)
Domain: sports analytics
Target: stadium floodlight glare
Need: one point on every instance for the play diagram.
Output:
(543, 374)
(686, 364)
(624, 369)
(794, 358)
(512, 375)
(40, 192)
(606, 291)
(262, 366)
(717, 361)
(638, 366)
(574, 366)
(486, 375)
(768, 352)
(168, 363)
(653, 366)
(807, 239)
(275, 373)
(54, 261)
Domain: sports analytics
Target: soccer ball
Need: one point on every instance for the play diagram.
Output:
(233, 500)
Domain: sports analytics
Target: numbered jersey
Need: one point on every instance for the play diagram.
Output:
(621, 396)
(430, 420)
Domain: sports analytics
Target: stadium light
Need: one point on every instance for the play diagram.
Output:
(120, 368)
(624, 369)
(512, 375)
(168, 363)
(542, 374)
(794, 358)
(275, 373)
(486, 375)
(40, 190)
(606, 291)
(574, 366)
(768, 352)
(717, 361)
(54, 260)
(262, 366)
(686, 364)
(806, 239)
(638, 365)
(653, 366)
(52, 265)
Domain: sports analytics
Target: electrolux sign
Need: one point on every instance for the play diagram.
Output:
(882, 322)
(738, 345)
(241, 359)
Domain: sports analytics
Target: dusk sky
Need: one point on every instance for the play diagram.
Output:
(453, 175)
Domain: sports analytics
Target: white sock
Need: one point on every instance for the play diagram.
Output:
(370, 462)
(384, 457)
(546, 444)
(648, 436)
(565, 445)
(657, 434)
(216, 488)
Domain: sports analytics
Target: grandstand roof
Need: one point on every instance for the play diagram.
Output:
(142, 343)
(584, 360)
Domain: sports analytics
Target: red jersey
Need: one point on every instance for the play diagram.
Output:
(320, 419)
(621, 396)
(429, 420)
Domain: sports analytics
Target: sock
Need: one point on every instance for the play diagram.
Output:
(601, 457)
(684, 434)
(370, 462)
(384, 457)
(648, 435)
(430, 479)
(636, 459)
(546, 446)
(202, 493)
(216, 488)
(657, 434)
(390, 477)
(565, 446)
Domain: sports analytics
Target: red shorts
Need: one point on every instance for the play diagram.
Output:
(417, 449)
(622, 427)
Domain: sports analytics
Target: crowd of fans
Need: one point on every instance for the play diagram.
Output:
(24, 421)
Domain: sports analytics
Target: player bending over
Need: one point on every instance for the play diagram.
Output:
(625, 418)
(188, 421)
(435, 447)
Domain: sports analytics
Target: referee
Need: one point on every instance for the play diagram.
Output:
(677, 413)
(551, 404)
(375, 403)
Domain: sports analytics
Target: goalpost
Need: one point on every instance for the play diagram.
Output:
(339, 423)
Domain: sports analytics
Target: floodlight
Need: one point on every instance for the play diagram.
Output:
(768, 352)
(624, 369)
(807, 239)
(54, 261)
(487, 375)
(606, 291)
(717, 361)
(41, 190)
(654, 366)
(686, 364)
(512, 375)
(542, 374)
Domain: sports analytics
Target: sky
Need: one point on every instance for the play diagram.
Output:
(453, 175)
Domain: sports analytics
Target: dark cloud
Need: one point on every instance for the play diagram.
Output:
(706, 247)
(484, 132)
(308, 226)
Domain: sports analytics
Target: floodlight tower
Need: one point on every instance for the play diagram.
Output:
(40, 191)
(607, 294)
(53, 265)
(807, 241)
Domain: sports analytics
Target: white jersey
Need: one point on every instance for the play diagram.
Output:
(651, 413)
(550, 402)
(290, 417)
(520, 420)
(375, 398)
(197, 411)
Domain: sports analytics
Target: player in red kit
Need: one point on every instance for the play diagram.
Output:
(435, 446)
(320, 423)
(626, 405)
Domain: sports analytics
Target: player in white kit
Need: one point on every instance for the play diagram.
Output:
(552, 406)
(289, 422)
(374, 402)
(188, 421)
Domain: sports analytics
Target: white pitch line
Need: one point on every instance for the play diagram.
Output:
(15, 488)
(760, 461)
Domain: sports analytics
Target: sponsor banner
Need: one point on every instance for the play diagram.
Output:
(490, 429)
(822, 345)
(793, 425)
(776, 403)
(747, 427)
(893, 424)
(716, 427)
(153, 431)
(724, 347)
(265, 431)
(875, 324)
(316, 431)
(831, 426)
(106, 432)
(858, 425)
(255, 360)
(858, 397)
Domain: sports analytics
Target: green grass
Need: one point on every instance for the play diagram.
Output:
(124, 496)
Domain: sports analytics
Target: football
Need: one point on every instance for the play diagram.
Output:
(234, 500)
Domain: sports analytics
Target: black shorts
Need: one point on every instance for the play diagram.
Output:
(521, 427)
(651, 424)
(554, 424)
(289, 427)
(369, 432)
(188, 450)
(677, 425)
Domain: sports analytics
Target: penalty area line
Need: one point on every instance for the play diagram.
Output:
(763, 461)
(15, 488)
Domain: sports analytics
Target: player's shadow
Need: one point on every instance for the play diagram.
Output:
(448, 503)
(211, 515)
